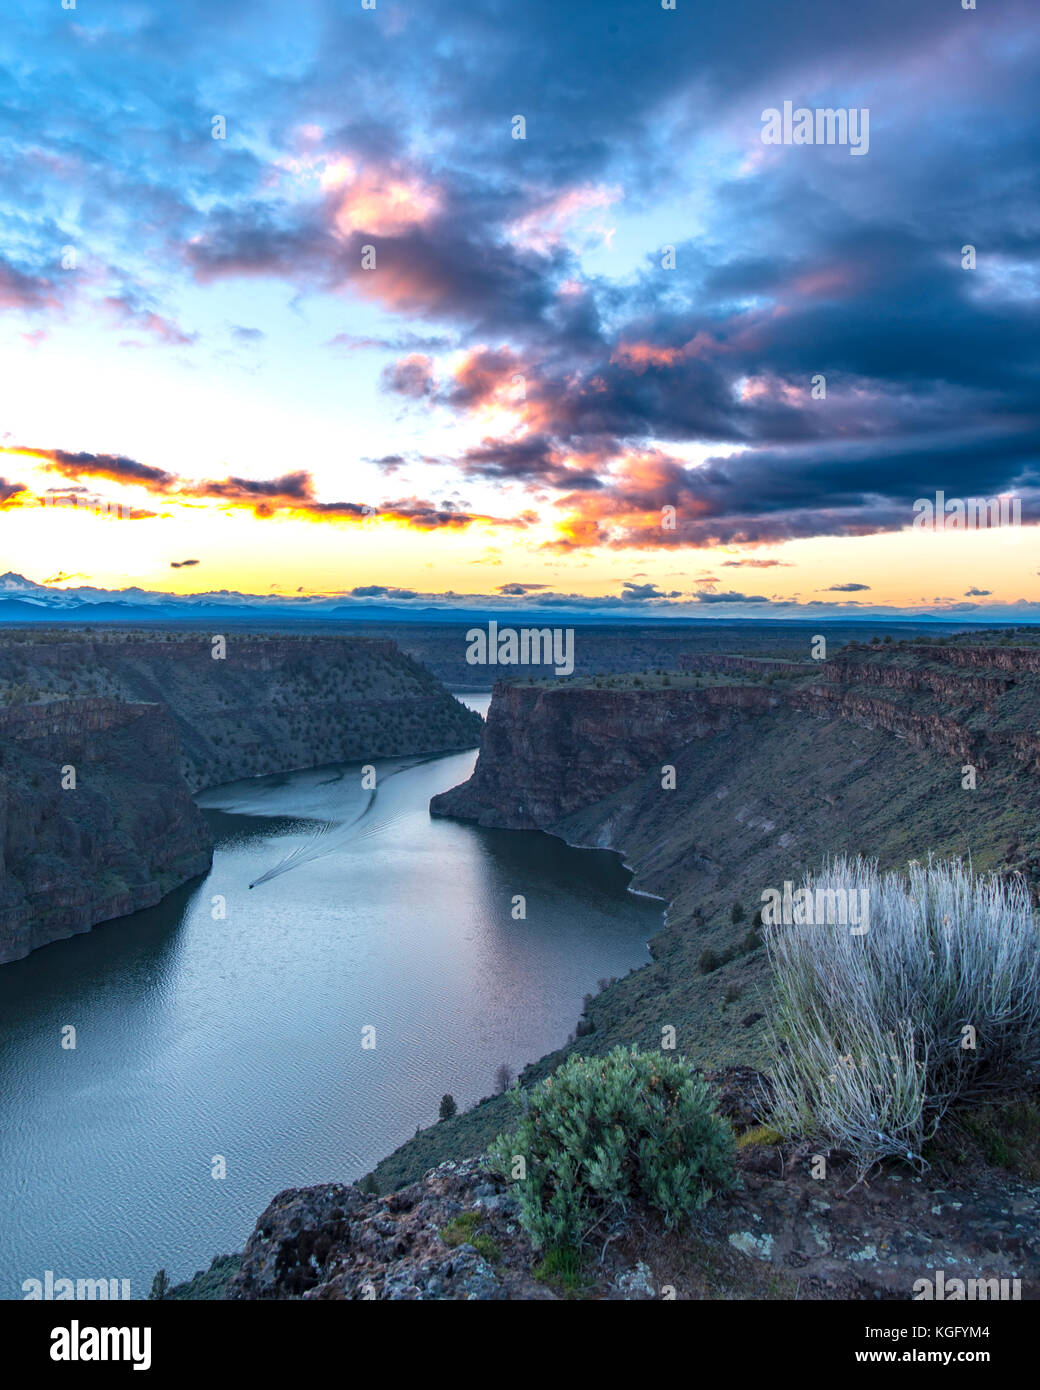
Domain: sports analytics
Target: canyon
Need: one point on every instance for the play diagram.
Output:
(149, 719)
(715, 779)
(773, 774)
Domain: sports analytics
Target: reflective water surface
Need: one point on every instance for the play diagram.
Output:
(227, 1022)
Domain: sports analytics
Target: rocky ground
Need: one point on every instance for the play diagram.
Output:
(782, 1234)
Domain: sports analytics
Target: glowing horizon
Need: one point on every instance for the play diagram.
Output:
(383, 343)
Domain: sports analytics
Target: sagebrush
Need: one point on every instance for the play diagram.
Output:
(876, 1035)
(603, 1132)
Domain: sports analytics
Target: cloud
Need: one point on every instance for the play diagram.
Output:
(21, 290)
(10, 492)
(411, 376)
(845, 588)
(62, 578)
(401, 342)
(183, 564)
(517, 590)
(755, 564)
(112, 467)
(381, 591)
(730, 596)
(496, 247)
(290, 496)
(977, 593)
(639, 593)
(128, 312)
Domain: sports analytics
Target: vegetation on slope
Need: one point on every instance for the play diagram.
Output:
(602, 1133)
(880, 1032)
(753, 807)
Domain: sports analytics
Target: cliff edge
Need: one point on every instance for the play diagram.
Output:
(95, 818)
(145, 719)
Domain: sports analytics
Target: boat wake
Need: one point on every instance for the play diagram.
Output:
(331, 836)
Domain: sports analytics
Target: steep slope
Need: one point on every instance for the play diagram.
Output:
(772, 775)
(268, 704)
(148, 718)
(126, 833)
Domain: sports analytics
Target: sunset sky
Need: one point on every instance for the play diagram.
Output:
(505, 403)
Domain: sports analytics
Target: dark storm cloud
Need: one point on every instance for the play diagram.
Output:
(10, 490)
(641, 593)
(708, 596)
(808, 263)
(381, 591)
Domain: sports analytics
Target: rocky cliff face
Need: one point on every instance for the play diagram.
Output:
(1013, 659)
(247, 705)
(552, 749)
(124, 834)
(146, 720)
(949, 686)
(923, 730)
(548, 751)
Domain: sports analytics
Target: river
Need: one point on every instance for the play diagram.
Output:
(227, 1023)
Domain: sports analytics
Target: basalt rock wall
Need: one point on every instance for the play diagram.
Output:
(548, 751)
(1013, 659)
(247, 705)
(924, 730)
(95, 818)
(146, 720)
(947, 685)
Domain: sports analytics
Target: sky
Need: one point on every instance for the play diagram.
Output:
(513, 303)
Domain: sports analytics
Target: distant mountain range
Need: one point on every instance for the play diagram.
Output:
(24, 601)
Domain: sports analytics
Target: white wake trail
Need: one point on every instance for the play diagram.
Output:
(332, 835)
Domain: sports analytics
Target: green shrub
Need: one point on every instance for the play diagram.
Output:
(602, 1132)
